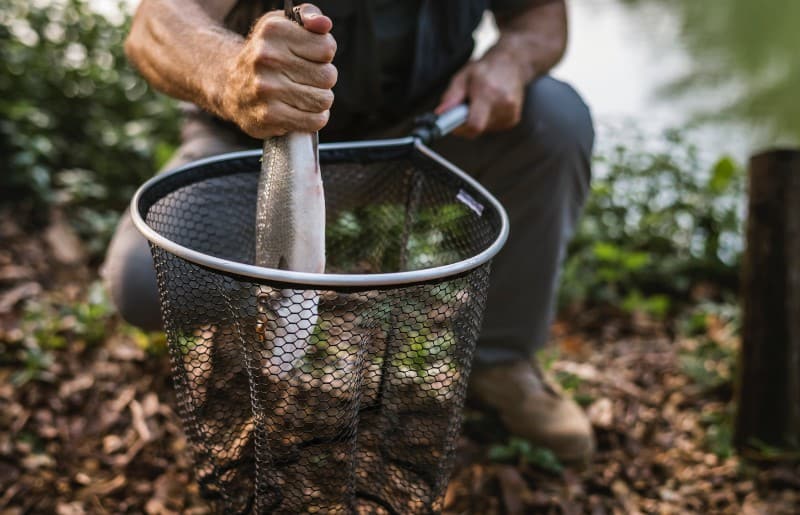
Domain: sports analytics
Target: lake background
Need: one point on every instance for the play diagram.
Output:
(620, 57)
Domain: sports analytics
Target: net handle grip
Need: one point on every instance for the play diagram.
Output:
(430, 127)
(452, 119)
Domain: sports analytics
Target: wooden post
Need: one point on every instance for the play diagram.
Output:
(768, 390)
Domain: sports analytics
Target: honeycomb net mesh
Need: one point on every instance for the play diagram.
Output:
(318, 399)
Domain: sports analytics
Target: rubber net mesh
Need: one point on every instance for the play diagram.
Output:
(317, 399)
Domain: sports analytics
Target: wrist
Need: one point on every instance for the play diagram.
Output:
(507, 54)
(215, 85)
(535, 38)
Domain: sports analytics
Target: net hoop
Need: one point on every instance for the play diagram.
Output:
(312, 279)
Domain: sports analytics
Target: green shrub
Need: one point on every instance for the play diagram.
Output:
(78, 125)
(50, 324)
(658, 221)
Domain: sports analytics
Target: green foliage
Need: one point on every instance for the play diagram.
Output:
(521, 452)
(78, 126)
(743, 53)
(372, 235)
(708, 354)
(49, 325)
(153, 343)
(708, 350)
(719, 431)
(658, 221)
(763, 451)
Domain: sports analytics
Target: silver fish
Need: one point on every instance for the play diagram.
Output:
(290, 235)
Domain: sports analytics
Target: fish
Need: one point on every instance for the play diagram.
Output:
(290, 220)
(289, 235)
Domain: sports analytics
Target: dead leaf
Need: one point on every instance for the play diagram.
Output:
(514, 489)
(10, 298)
(82, 478)
(78, 384)
(65, 245)
(102, 488)
(12, 272)
(37, 461)
(123, 349)
(150, 404)
(73, 508)
(168, 496)
(450, 495)
(139, 423)
(574, 345)
(601, 413)
(110, 414)
(112, 443)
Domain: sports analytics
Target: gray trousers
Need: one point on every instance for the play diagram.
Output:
(540, 171)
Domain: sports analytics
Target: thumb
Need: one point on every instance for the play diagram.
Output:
(456, 92)
(313, 19)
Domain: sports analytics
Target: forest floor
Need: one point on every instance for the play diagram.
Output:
(88, 421)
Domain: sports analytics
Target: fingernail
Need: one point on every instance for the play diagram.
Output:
(311, 16)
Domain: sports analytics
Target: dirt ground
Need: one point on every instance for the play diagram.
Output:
(89, 425)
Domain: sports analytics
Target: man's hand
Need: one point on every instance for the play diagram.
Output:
(531, 42)
(282, 78)
(278, 79)
(495, 88)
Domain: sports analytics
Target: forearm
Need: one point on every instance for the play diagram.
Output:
(534, 39)
(182, 49)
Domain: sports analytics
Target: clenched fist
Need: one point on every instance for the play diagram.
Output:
(282, 78)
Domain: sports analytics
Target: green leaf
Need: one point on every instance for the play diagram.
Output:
(605, 251)
(520, 450)
(722, 175)
(636, 260)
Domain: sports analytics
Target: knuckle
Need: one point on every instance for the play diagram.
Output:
(264, 87)
(272, 23)
(328, 76)
(252, 128)
(325, 100)
(269, 56)
(329, 48)
(507, 99)
(319, 120)
(495, 91)
(263, 115)
(481, 82)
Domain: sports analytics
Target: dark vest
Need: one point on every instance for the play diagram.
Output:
(443, 44)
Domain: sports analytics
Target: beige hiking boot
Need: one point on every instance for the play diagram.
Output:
(535, 410)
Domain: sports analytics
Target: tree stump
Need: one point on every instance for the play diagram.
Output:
(768, 389)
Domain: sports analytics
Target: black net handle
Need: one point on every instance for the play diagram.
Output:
(430, 127)
(292, 12)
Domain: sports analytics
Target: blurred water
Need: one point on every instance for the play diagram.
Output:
(619, 57)
(612, 60)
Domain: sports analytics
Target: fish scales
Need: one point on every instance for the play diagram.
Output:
(290, 222)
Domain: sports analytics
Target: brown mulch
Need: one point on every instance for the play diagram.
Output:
(95, 431)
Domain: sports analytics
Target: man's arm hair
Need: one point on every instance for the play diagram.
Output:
(181, 48)
(535, 36)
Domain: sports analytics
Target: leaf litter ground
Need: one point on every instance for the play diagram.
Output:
(88, 421)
